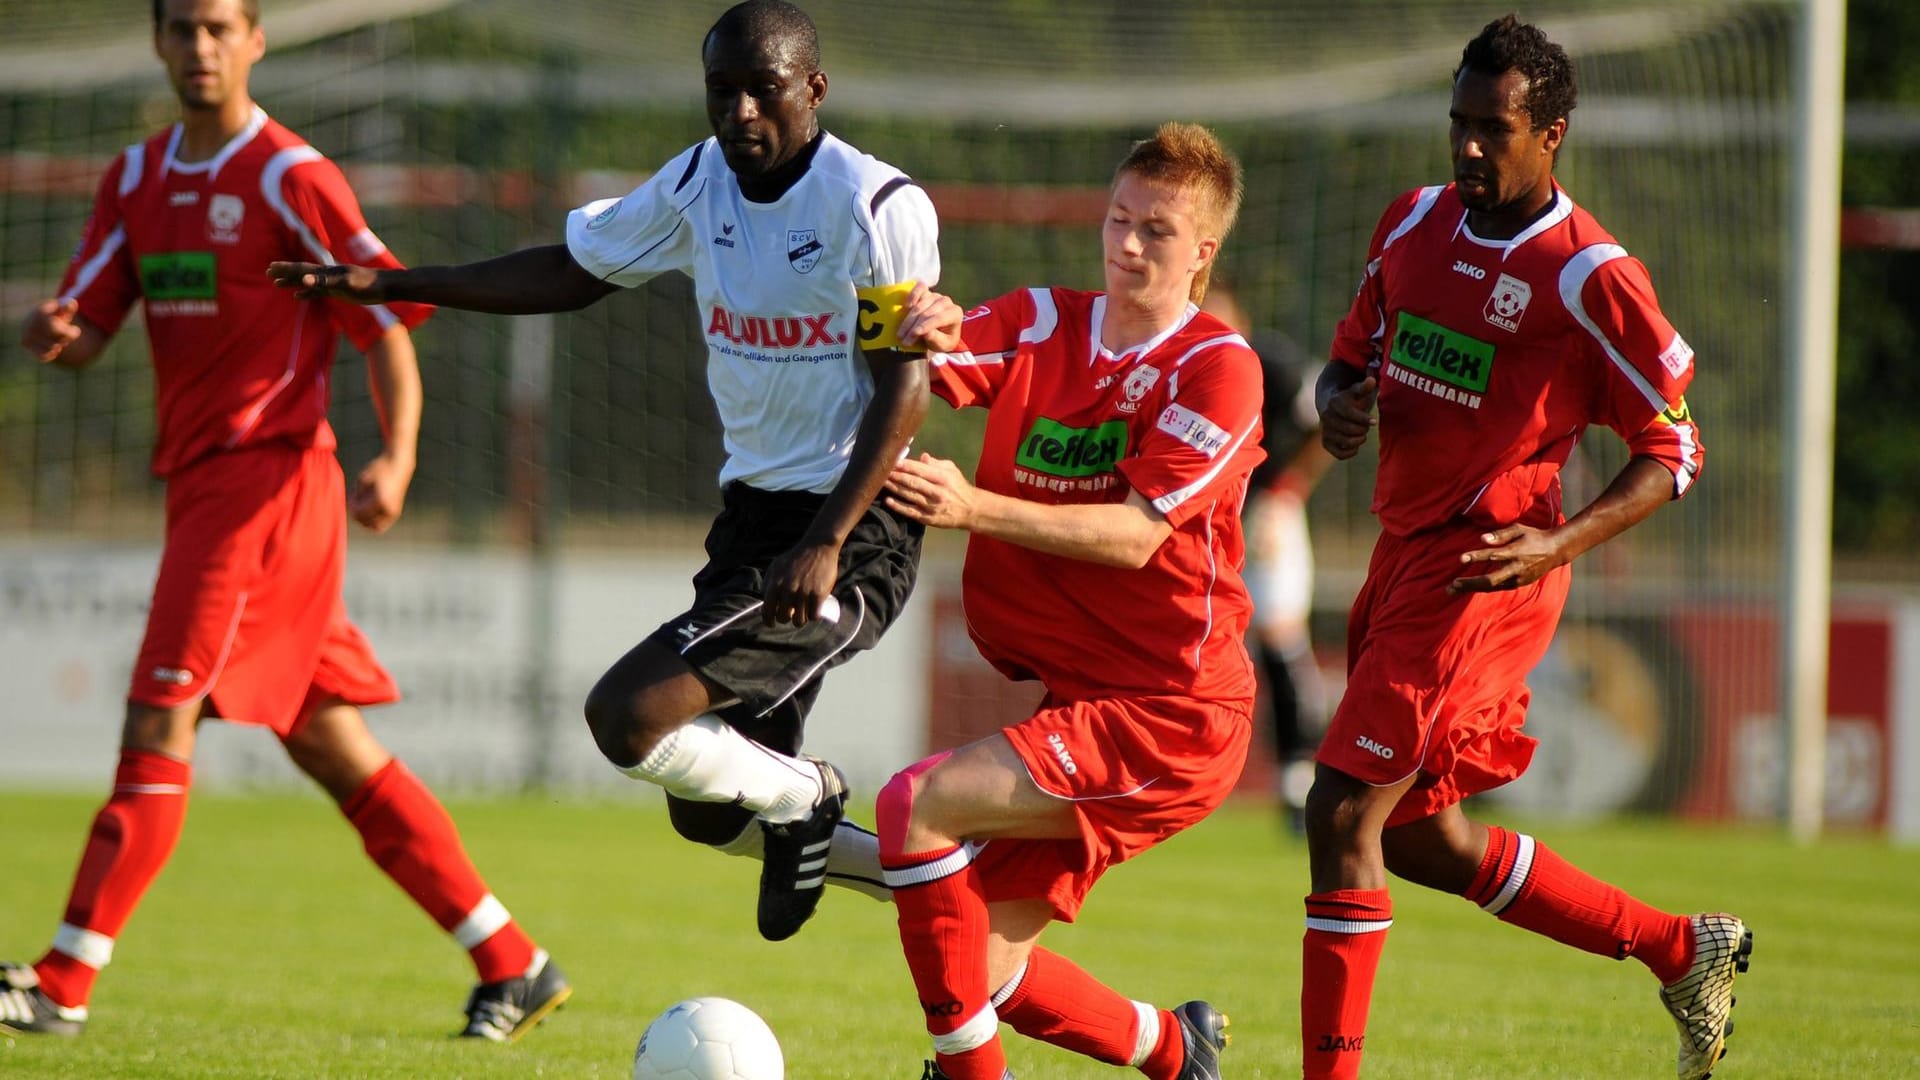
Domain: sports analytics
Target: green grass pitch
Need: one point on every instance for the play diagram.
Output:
(271, 948)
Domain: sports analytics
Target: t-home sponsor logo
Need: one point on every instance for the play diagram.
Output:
(1058, 450)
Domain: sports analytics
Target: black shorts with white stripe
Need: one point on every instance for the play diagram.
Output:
(775, 670)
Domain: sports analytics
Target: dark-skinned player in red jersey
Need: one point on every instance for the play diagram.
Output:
(248, 624)
(1496, 320)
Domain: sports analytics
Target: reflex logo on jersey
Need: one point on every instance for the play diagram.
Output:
(1058, 450)
(178, 275)
(1440, 353)
(881, 307)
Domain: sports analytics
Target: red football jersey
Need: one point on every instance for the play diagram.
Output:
(1177, 419)
(236, 360)
(1494, 355)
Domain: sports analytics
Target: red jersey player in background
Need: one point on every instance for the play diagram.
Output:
(247, 623)
(1496, 320)
(1104, 561)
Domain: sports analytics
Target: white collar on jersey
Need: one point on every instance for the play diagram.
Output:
(1096, 351)
(1562, 207)
(212, 165)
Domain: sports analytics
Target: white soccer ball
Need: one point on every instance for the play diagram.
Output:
(708, 1038)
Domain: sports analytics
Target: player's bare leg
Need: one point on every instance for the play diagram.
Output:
(1348, 915)
(976, 963)
(1521, 881)
(130, 841)
(409, 835)
(653, 716)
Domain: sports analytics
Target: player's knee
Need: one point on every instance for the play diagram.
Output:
(893, 811)
(893, 808)
(1334, 813)
(625, 727)
(610, 717)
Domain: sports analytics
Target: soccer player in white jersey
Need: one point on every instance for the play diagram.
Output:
(791, 237)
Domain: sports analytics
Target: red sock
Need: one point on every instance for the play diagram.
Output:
(409, 835)
(943, 930)
(1055, 1001)
(132, 836)
(1346, 929)
(1524, 883)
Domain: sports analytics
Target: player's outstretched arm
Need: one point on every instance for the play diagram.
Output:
(1520, 555)
(798, 580)
(528, 282)
(933, 491)
(380, 491)
(56, 333)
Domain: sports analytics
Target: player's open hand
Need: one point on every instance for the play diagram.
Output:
(51, 326)
(1348, 417)
(380, 493)
(930, 320)
(311, 281)
(798, 581)
(932, 491)
(1516, 556)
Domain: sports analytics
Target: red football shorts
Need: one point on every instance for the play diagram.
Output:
(247, 612)
(1436, 684)
(1137, 769)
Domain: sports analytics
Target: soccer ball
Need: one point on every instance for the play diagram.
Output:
(708, 1038)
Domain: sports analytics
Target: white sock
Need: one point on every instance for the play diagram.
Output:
(707, 761)
(853, 862)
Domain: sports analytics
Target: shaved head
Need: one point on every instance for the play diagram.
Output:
(782, 29)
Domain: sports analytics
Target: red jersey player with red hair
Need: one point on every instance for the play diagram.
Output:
(248, 623)
(1495, 322)
(1121, 431)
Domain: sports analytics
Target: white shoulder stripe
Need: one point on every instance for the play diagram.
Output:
(1223, 339)
(1414, 216)
(136, 164)
(271, 179)
(1046, 316)
(1573, 280)
(966, 359)
(91, 269)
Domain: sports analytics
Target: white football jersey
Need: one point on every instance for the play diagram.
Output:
(775, 287)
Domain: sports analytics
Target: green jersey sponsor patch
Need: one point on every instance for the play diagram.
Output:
(178, 275)
(1058, 450)
(1439, 353)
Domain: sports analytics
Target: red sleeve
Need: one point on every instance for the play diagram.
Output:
(1356, 340)
(1647, 366)
(988, 340)
(101, 277)
(1205, 440)
(328, 225)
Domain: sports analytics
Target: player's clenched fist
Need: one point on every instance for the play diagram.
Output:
(1347, 417)
(51, 326)
(311, 281)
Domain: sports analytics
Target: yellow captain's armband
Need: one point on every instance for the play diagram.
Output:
(881, 307)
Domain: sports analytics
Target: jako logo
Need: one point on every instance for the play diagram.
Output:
(805, 332)
(1059, 746)
(1464, 267)
(1374, 748)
